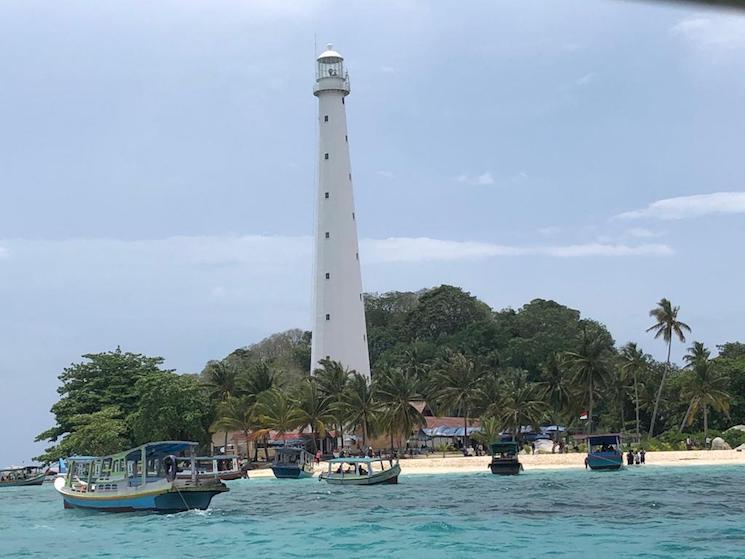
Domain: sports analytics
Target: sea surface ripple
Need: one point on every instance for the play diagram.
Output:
(640, 512)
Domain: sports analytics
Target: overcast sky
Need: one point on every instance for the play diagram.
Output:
(157, 170)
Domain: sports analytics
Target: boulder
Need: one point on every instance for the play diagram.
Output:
(720, 444)
(740, 448)
(737, 428)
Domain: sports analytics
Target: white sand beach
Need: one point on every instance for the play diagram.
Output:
(451, 464)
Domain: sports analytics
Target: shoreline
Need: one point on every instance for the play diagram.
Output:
(472, 464)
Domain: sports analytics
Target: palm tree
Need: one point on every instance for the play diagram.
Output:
(667, 326)
(221, 380)
(591, 366)
(634, 362)
(358, 406)
(258, 379)
(313, 409)
(332, 378)
(491, 430)
(557, 382)
(396, 390)
(278, 412)
(457, 386)
(236, 414)
(706, 388)
(522, 403)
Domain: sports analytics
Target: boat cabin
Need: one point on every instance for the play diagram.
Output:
(604, 452)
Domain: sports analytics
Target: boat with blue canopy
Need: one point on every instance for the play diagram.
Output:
(604, 452)
(145, 478)
(291, 462)
(361, 471)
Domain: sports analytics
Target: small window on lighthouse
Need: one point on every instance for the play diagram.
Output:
(328, 235)
(328, 276)
(350, 176)
(360, 296)
(327, 195)
(352, 215)
(357, 255)
(346, 138)
(325, 118)
(328, 317)
(325, 155)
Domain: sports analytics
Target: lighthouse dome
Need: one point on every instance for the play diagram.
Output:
(330, 56)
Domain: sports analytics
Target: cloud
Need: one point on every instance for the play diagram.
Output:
(387, 69)
(722, 33)
(385, 174)
(691, 206)
(586, 79)
(424, 249)
(641, 233)
(484, 179)
(3, 252)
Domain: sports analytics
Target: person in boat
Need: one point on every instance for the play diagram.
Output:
(318, 457)
(369, 452)
(363, 471)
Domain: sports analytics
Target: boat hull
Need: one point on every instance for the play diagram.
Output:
(38, 480)
(290, 472)
(388, 476)
(605, 461)
(164, 502)
(505, 468)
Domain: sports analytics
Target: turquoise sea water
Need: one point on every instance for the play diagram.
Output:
(639, 512)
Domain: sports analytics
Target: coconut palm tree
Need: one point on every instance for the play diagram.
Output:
(258, 379)
(457, 385)
(396, 389)
(491, 430)
(237, 414)
(556, 379)
(634, 362)
(592, 369)
(358, 406)
(313, 409)
(333, 378)
(278, 411)
(522, 403)
(666, 327)
(221, 379)
(706, 388)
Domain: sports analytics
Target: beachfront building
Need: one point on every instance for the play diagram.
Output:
(339, 331)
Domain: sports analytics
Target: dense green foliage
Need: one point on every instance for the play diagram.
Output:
(115, 400)
(542, 363)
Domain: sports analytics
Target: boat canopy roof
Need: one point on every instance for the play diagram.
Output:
(504, 446)
(609, 438)
(21, 468)
(355, 460)
(162, 448)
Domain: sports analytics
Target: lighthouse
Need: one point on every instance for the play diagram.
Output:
(339, 331)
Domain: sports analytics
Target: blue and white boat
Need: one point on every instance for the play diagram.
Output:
(604, 452)
(145, 478)
(292, 463)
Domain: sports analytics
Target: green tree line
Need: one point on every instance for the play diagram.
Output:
(542, 363)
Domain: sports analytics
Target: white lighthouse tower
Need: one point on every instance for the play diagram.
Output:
(339, 331)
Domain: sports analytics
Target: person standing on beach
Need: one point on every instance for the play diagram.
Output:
(637, 458)
(630, 458)
(642, 455)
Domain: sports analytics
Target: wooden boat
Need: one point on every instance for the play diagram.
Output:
(222, 467)
(141, 479)
(292, 463)
(504, 459)
(604, 452)
(361, 471)
(22, 476)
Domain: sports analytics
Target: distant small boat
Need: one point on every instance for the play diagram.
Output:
(361, 471)
(604, 452)
(145, 478)
(504, 460)
(22, 476)
(292, 463)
